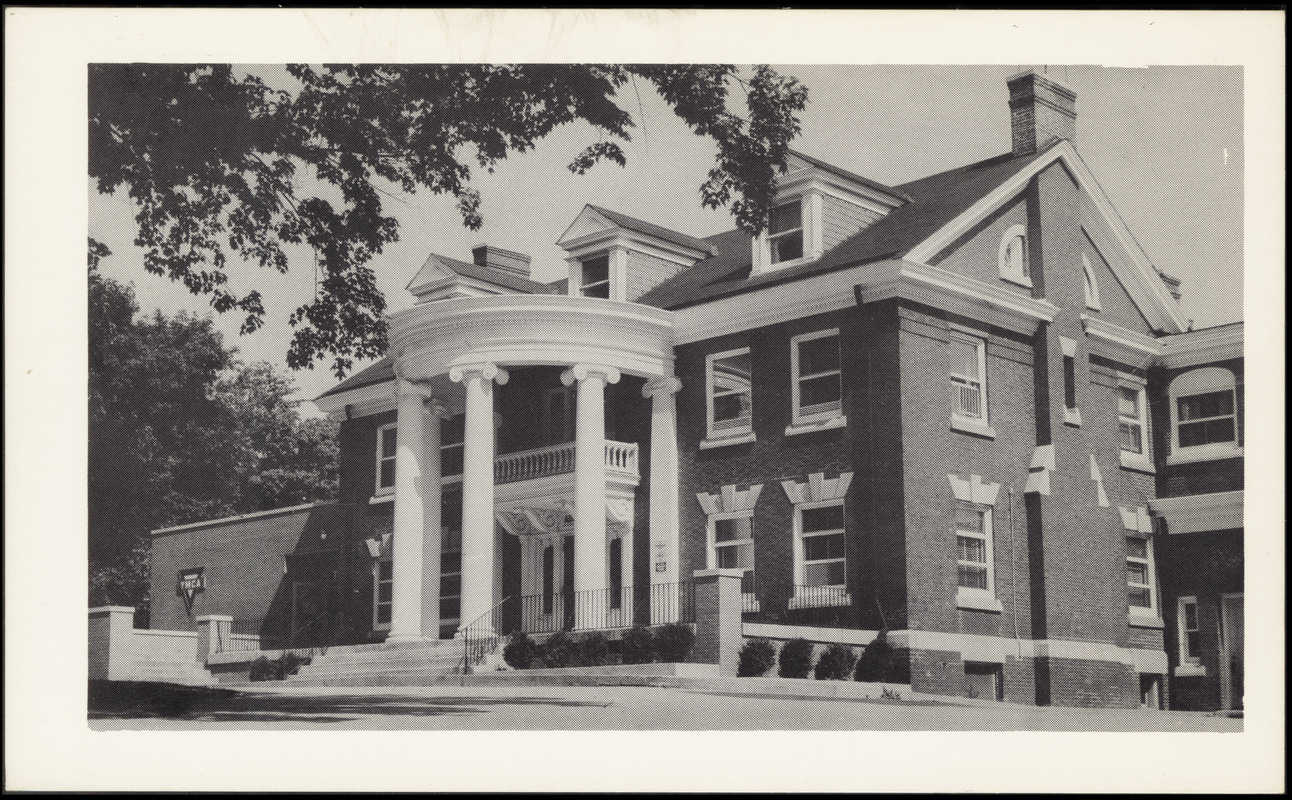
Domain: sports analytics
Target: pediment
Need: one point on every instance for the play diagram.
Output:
(433, 271)
(589, 221)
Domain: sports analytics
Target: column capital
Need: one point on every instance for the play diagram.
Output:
(664, 385)
(581, 372)
(407, 388)
(484, 369)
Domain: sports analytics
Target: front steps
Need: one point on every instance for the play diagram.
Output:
(392, 664)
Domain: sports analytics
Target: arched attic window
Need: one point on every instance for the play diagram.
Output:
(1092, 285)
(1013, 256)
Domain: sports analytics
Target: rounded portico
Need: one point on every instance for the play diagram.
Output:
(454, 353)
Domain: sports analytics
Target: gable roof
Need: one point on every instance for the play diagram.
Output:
(852, 176)
(942, 208)
(505, 280)
(380, 372)
(643, 227)
(934, 202)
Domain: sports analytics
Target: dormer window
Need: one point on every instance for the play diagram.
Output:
(1013, 256)
(785, 236)
(595, 277)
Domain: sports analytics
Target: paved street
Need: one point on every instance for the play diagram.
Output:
(596, 708)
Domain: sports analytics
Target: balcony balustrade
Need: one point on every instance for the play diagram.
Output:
(620, 460)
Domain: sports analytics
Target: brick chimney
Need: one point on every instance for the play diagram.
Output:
(486, 255)
(1040, 112)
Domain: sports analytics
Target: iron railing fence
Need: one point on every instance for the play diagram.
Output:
(607, 609)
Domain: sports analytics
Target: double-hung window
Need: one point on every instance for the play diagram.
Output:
(1139, 575)
(731, 545)
(1204, 415)
(785, 236)
(817, 387)
(1132, 427)
(729, 380)
(968, 378)
(974, 571)
(822, 560)
(451, 559)
(595, 277)
(387, 439)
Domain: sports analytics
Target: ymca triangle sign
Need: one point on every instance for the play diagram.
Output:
(188, 583)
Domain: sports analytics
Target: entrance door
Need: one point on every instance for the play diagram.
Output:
(1231, 666)
(567, 582)
(310, 623)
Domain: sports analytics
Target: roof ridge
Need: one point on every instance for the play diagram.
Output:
(862, 179)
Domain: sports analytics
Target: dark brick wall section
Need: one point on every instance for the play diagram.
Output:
(243, 563)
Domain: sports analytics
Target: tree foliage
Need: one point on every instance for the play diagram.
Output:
(180, 431)
(214, 160)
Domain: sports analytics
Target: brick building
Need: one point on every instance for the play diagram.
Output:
(965, 410)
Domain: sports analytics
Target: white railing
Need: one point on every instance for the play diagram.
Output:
(559, 460)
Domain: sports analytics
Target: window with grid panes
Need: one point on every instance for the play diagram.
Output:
(973, 547)
(818, 389)
(1130, 418)
(821, 530)
(1139, 573)
(968, 383)
(731, 399)
(785, 235)
(387, 441)
(595, 277)
(732, 546)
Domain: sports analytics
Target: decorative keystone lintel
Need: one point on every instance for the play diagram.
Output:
(730, 500)
(1038, 480)
(817, 488)
(974, 490)
(1098, 478)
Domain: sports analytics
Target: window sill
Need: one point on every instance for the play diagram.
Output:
(1191, 455)
(809, 426)
(1190, 671)
(1145, 620)
(1017, 280)
(381, 498)
(1136, 461)
(973, 601)
(724, 441)
(1072, 416)
(976, 427)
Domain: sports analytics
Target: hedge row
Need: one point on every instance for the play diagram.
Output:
(669, 644)
(838, 662)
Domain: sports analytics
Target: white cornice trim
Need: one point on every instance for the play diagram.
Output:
(456, 286)
(1151, 294)
(1118, 343)
(831, 291)
(1201, 347)
(379, 393)
(1200, 512)
(960, 294)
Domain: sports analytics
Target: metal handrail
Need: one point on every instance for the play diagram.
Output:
(467, 637)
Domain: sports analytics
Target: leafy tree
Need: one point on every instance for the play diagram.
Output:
(214, 160)
(179, 431)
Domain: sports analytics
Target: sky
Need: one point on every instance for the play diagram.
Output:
(1165, 143)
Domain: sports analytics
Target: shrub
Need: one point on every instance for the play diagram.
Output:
(836, 663)
(591, 650)
(558, 651)
(262, 670)
(521, 651)
(795, 660)
(756, 657)
(289, 664)
(673, 643)
(638, 646)
(876, 662)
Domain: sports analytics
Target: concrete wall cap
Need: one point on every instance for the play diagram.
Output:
(214, 618)
(112, 610)
(720, 573)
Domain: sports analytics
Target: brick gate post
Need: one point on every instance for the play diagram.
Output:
(718, 629)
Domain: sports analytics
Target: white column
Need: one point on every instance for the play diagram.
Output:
(409, 514)
(477, 488)
(431, 523)
(590, 602)
(663, 479)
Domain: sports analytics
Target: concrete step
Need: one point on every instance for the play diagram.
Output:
(438, 667)
(413, 651)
